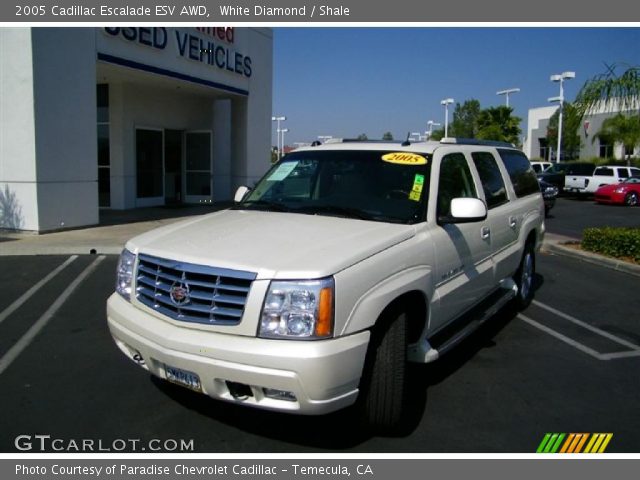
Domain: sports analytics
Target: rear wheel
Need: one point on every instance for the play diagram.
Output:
(384, 382)
(524, 277)
(631, 199)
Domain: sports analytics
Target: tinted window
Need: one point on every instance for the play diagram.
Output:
(581, 169)
(623, 173)
(604, 172)
(522, 175)
(491, 178)
(455, 182)
(635, 172)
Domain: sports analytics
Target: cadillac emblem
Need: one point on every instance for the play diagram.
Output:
(179, 293)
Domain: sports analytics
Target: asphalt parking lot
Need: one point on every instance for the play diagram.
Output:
(568, 363)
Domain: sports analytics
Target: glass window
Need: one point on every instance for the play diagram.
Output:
(455, 182)
(635, 172)
(492, 183)
(623, 173)
(149, 163)
(604, 172)
(522, 175)
(353, 183)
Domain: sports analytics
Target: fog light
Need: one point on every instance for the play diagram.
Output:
(279, 394)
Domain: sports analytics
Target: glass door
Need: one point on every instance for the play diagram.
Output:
(197, 165)
(149, 167)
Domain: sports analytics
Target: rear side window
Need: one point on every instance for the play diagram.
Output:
(491, 178)
(522, 175)
(635, 172)
(623, 173)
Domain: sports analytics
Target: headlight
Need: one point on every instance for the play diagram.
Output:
(619, 190)
(124, 273)
(298, 309)
(551, 191)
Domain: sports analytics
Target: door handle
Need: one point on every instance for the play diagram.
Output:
(485, 232)
(513, 221)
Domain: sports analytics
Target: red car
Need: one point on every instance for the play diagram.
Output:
(626, 192)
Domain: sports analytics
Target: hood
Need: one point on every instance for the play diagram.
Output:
(272, 244)
(609, 188)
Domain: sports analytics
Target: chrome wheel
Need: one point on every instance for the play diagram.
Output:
(526, 276)
(631, 199)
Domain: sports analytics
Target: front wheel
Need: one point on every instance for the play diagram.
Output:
(384, 381)
(631, 199)
(524, 277)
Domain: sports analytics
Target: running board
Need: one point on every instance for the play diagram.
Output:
(428, 350)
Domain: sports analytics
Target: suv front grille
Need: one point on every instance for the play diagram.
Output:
(192, 293)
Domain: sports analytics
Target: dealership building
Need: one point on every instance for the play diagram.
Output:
(122, 117)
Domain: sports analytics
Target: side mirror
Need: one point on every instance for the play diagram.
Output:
(241, 192)
(466, 210)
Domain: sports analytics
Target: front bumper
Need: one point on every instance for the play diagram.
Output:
(323, 375)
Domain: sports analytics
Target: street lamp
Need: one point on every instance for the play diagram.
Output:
(282, 132)
(446, 102)
(278, 120)
(507, 92)
(560, 78)
(431, 124)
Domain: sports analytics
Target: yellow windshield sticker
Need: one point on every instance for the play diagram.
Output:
(404, 158)
(416, 191)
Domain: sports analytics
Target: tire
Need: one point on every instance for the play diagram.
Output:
(524, 278)
(631, 199)
(384, 382)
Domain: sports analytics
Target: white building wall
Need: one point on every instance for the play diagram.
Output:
(65, 122)
(18, 187)
(534, 131)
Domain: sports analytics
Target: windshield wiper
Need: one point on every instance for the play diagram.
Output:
(263, 205)
(335, 210)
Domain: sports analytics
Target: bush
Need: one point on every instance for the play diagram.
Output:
(616, 242)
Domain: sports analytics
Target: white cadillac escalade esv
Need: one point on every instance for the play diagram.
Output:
(345, 262)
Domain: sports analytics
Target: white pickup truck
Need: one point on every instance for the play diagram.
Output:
(604, 175)
(345, 262)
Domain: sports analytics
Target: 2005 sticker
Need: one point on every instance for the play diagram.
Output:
(404, 158)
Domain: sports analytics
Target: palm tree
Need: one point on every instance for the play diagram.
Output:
(624, 129)
(609, 91)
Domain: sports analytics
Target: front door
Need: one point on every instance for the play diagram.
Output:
(197, 167)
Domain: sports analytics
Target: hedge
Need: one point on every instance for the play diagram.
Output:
(619, 242)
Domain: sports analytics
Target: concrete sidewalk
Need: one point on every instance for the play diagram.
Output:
(116, 227)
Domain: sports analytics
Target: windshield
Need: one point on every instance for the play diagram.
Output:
(631, 180)
(347, 183)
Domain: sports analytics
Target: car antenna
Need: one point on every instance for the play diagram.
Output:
(406, 143)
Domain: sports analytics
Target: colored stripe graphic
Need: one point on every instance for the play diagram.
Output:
(574, 443)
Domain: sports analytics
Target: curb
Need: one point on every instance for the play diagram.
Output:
(594, 258)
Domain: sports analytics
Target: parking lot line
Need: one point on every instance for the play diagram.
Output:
(33, 331)
(29, 293)
(591, 328)
(564, 338)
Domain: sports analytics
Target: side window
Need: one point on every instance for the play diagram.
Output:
(491, 178)
(522, 175)
(604, 172)
(623, 173)
(455, 181)
(635, 172)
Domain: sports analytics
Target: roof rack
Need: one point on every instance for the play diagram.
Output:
(475, 141)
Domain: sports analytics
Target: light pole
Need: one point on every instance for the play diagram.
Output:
(430, 125)
(561, 77)
(278, 120)
(282, 132)
(507, 92)
(446, 102)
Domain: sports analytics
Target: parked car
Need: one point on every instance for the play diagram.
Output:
(609, 175)
(557, 172)
(549, 194)
(626, 192)
(540, 167)
(311, 303)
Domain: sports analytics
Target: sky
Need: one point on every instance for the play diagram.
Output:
(347, 81)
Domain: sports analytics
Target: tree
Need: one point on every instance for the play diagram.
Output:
(610, 91)
(465, 119)
(387, 136)
(624, 129)
(362, 136)
(498, 123)
(571, 123)
(437, 135)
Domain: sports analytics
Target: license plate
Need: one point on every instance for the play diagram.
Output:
(183, 378)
